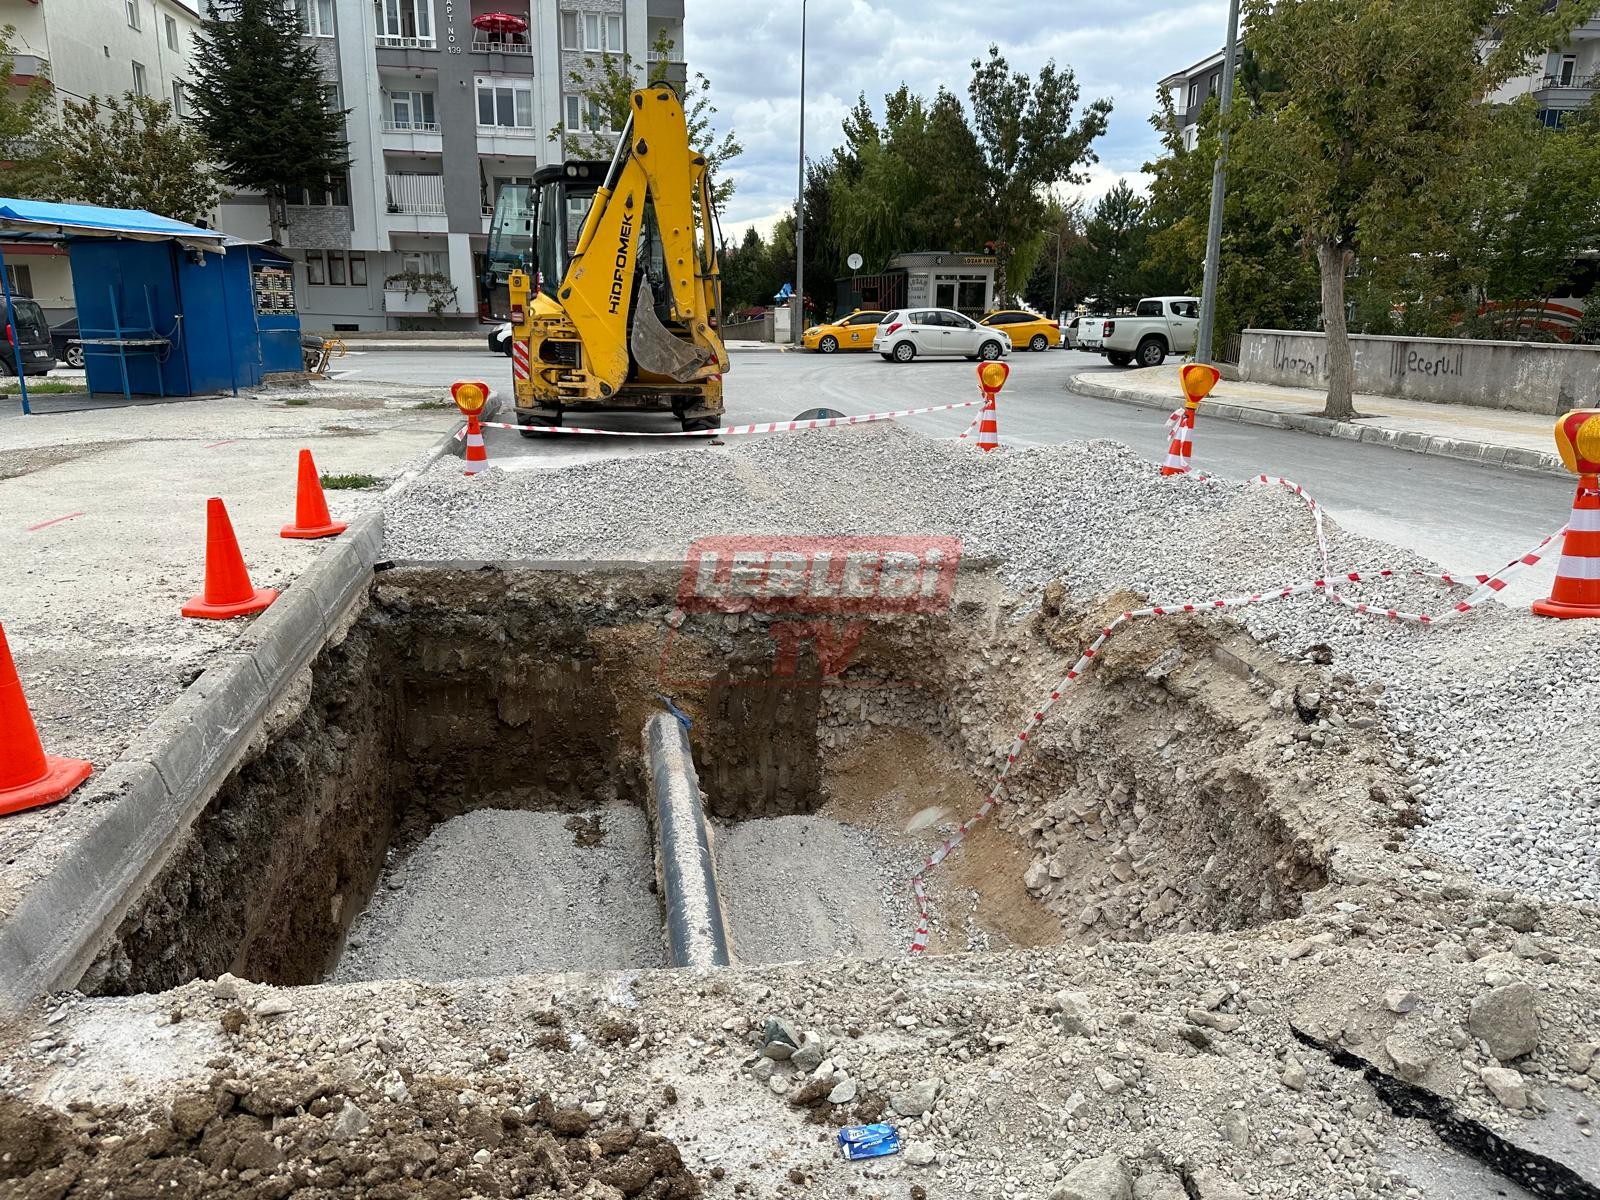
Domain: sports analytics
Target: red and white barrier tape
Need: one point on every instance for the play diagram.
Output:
(1326, 585)
(739, 430)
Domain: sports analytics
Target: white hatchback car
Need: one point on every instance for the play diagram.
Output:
(908, 332)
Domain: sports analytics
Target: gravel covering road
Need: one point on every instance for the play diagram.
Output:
(1500, 704)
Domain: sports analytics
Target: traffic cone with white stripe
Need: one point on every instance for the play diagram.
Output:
(992, 377)
(470, 396)
(1577, 588)
(477, 457)
(1198, 379)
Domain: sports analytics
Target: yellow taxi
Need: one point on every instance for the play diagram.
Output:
(854, 332)
(1027, 331)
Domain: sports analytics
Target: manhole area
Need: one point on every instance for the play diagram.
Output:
(459, 790)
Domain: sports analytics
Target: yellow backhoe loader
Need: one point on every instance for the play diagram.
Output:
(610, 278)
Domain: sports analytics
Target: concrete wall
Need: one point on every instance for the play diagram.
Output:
(1525, 376)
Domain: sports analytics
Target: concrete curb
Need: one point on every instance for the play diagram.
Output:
(153, 792)
(685, 870)
(1487, 453)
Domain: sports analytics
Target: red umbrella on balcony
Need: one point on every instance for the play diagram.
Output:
(500, 23)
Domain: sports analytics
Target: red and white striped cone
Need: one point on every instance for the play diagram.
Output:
(1577, 588)
(477, 457)
(1181, 445)
(988, 424)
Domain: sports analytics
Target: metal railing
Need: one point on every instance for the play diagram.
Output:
(422, 194)
(411, 127)
(666, 56)
(495, 46)
(405, 43)
(1579, 82)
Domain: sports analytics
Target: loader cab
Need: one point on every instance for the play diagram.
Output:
(535, 229)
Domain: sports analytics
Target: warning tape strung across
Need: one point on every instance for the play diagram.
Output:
(738, 430)
(1326, 585)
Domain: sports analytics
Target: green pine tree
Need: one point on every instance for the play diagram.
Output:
(262, 102)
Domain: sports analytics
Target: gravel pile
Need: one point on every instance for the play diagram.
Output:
(1499, 706)
(496, 892)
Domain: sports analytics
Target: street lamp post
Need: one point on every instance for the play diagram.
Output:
(1219, 188)
(1055, 278)
(798, 319)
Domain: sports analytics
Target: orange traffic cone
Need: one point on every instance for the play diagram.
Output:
(28, 776)
(228, 591)
(1197, 379)
(477, 457)
(1577, 588)
(988, 425)
(311, 517)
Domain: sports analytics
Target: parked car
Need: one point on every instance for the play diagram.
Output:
(1159, 326)
(29, 342)
(500, 339)
(64, 341)
(854, 332)
(906, 333)
(1027, 331)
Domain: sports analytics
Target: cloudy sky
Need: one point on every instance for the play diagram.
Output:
(751, 54)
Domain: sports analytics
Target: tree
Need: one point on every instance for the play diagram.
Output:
(1054, 280)
(1109, 262)
(605, 88)
(1372, 102)
(262, 103)
(26, 149)
(1028, 144)
(132, 153)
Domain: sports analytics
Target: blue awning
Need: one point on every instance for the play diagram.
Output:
(37, 221)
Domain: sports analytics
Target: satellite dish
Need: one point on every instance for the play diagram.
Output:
(855, 261)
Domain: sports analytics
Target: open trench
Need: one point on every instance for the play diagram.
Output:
(463, 791)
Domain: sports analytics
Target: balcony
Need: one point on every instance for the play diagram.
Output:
(415, 137)
(498, 46)
(405, 43)
(416, 203)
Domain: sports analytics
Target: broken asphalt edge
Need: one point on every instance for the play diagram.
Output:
(164, 780)
(1488, 453)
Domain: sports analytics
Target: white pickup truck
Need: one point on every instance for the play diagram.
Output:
(1160, 325)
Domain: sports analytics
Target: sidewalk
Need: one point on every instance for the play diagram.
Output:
(1496, 436)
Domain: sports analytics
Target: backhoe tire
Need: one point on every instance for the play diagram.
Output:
(990, 351)
(698, 424)
(904, 352)
(828, 344)
(525, 419)
(1118, 359)
(1152, 352)
(1039, 343)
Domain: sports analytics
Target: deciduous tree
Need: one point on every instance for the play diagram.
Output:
(27, 152)
(130, 152)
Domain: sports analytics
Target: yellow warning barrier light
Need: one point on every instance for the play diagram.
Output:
(1578, 441)
(1198, 379)
(470, 395)
(992, 376)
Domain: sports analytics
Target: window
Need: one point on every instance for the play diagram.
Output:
(335, 194)
(505, 105)
(132, 7)
(178, 108)
(405, 20)
(614, 33)
(316, 17)
(336, 268)
(1211, 85)
(1194, 93)
(20, 279)
(358, 269)
(411, 110)
(172, 33)
(591, 31)
(425, 262)
(569, 31)
(574, 114)
(139, 86)
(870, 318)
(1185, 308)
(594, 117)
(315, 272)
(1148, 308)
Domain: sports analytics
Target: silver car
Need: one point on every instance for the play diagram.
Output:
(907, 332)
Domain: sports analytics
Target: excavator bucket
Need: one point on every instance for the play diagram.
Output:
(654, 347)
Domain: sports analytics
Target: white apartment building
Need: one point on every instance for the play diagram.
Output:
(443, 114)
(91, 48)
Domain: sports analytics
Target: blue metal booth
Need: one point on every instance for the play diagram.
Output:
(166, 308)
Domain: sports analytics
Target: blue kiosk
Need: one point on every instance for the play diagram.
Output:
(165, 308)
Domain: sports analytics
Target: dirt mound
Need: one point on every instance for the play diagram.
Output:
(308, 1136)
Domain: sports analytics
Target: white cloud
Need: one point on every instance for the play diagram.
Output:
(870, 46)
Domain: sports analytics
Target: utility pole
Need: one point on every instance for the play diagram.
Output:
(1219, 191)
(797, 320)
(1055, 278)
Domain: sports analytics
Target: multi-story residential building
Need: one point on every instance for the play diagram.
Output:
(448, 104)
(87, 48)
(1190, 88)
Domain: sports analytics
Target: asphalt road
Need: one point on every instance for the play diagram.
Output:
(1469, 518)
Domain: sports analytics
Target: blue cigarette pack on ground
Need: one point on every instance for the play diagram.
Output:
(868, 1141)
